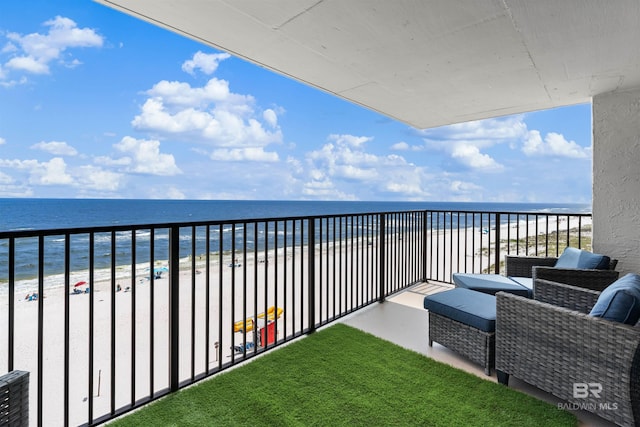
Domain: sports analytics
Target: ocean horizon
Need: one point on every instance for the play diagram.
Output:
(48, 214)
(45, 214)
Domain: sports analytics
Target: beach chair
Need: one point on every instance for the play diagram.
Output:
(578, 344)
(574, 267)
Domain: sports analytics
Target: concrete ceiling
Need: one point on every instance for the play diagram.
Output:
(426, 63)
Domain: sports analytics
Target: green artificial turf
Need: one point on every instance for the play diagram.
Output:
(343, 376)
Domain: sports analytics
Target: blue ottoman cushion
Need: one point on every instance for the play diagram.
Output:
(577, 258)
(492, 283)
(527, 282)
(465, 306)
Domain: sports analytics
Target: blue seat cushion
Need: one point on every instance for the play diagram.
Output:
(527, 282)
(620, 301)
(577, 258)
(472, 308)
(492, 283)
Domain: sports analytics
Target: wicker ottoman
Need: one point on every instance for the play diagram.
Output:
(464, 321)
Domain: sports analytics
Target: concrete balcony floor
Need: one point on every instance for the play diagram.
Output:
(403, 321)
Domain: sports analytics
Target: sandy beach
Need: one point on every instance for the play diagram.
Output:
(236, 290)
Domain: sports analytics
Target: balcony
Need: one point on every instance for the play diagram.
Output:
(127, 314)
(403, 321)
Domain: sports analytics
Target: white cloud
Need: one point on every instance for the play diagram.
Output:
(325, 189)
(156, 119)
(295, 165)
(11, 83)
(73, 64)
(343, 168)
(554, 144)
(206, 62)
(408, 182)
(2, 140)
(96, 178)
(34, 52)
(28, 64)
(486, 132)
(181, 94)
(56, 147)
(9, 48)
(471, 156)
(270, 117)
(253, 154)
(10, 190)
(353, 172)
(462, 187)
(354, 141)
(210, 115)
(108, 161)
(146, 157)
(173, 193)
(5, 179)
(470, 144)
(53, 172)
(18, 164)
(400, 146)
(403, 188)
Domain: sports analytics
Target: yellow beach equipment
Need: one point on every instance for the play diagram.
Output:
(240, 325)
(272, 313)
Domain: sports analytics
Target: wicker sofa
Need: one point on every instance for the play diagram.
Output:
(552, 343)
(543, 268)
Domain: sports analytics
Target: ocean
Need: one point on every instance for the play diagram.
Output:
(43, 214)
(47, 214)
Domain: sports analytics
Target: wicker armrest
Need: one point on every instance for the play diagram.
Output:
(563, 295)
(521, 266)
(14, 398)
(584, 278)
(554, 348)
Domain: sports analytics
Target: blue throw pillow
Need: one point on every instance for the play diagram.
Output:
(577, 258)
(620, 301)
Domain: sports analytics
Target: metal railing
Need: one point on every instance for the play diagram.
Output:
(115, 317)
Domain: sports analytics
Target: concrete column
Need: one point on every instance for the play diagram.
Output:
(616, 177)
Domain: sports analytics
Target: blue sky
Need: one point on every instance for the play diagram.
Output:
(97, 104)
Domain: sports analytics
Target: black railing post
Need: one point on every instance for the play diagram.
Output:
(383, 262)
(312, 273)
(424, 245)
(12, 307)
(497, 248)
(174, 306)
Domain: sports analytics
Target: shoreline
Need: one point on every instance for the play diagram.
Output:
(123, 271)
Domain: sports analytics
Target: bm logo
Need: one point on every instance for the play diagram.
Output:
(584, 390)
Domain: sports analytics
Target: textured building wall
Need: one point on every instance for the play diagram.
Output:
(616, 177)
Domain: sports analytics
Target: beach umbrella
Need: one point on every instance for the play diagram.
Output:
(77, 285)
